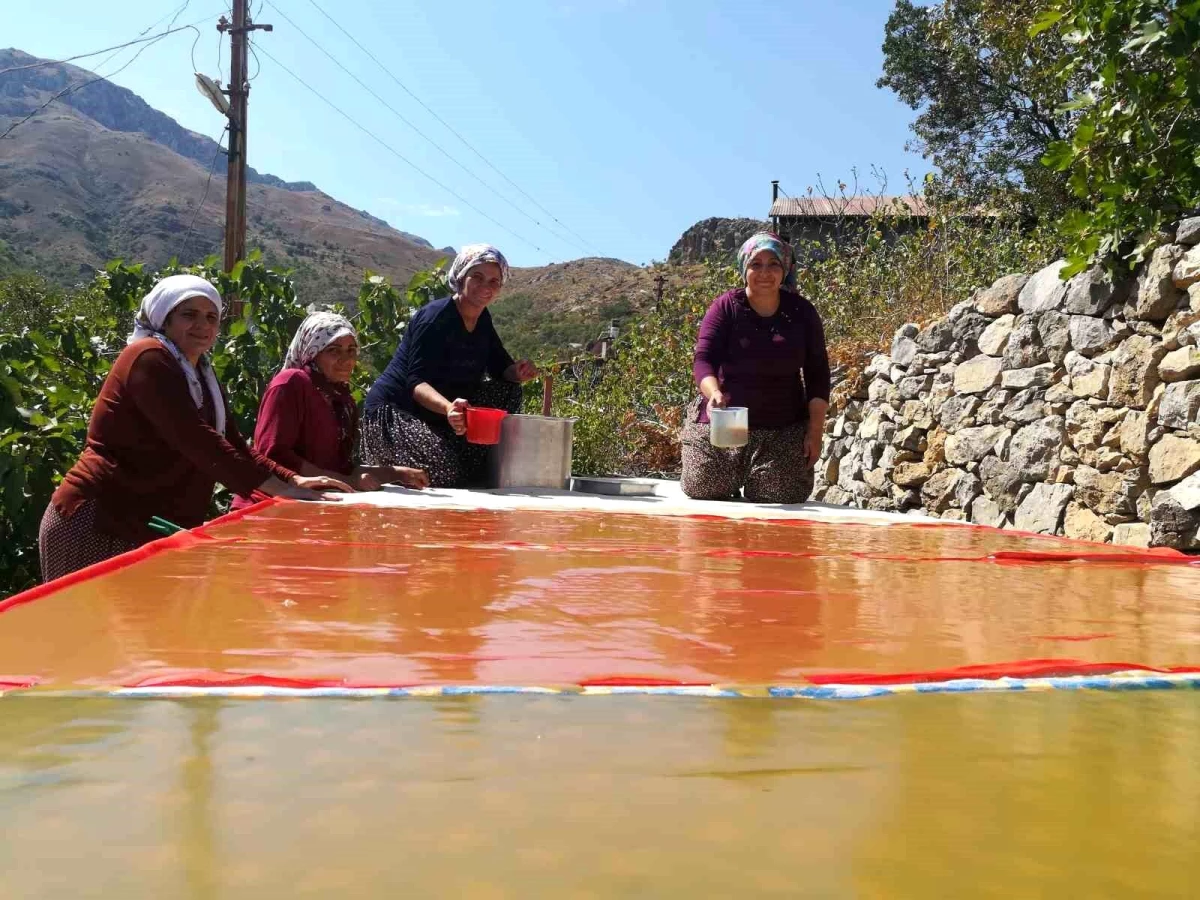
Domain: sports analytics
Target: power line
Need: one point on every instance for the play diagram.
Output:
(257, 63)
(442, 150)
(72, 88)
(140, 40)
(448, 127)
(388, 147)
(211, 169)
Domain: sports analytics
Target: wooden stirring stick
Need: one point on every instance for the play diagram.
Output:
(547, 391)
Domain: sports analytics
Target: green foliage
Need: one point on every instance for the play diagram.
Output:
(629, 410)
(529, 329)
(383, 313)
(902, 271)
(1133, 156)
(49, 379)
(989, 95)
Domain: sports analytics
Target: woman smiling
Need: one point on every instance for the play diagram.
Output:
(416, 413)
(761, 347)
(160, 437)
(308, 420)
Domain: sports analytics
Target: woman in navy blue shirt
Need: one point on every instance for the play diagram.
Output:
(415, 412)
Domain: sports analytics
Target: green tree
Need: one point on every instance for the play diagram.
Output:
(989, 96)
(1133, 156)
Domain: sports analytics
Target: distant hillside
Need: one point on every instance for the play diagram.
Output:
(116, 108)
(569, 303)
(714, 240)
(102, 175)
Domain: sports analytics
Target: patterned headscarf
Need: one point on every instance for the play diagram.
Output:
(316, 333)
(766, 240)
(471, 256)
(152, 316)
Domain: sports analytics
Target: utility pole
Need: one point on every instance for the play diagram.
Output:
(239, 92)
(774, 197)
(659, 281)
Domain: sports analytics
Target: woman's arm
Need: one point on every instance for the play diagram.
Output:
(280, 423)
(710, 351)
(295, 482)
(817, 385)
(158, 389)
(455, 410)
(815, 436)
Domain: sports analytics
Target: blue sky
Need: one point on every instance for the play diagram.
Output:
(626, 120)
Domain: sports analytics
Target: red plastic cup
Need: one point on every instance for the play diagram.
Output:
(483, 424)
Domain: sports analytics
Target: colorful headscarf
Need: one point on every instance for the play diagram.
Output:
(471, 256)
(152, 316)
(766, 240)
(316, 332)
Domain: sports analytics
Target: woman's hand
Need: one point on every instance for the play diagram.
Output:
(456, 415)
(321, 483)
(717, 400)
(813, 440)
(417, 479)
(366, 481)
(523, 371)
(291, 492)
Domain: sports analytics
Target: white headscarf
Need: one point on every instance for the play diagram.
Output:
(316, 332)
(152, 315)
(471, 256)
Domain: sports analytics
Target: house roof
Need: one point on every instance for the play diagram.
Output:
(834, 207)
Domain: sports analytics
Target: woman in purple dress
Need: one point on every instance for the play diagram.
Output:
(761, 346)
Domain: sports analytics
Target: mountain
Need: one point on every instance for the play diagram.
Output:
(99, 174)
(714, 239)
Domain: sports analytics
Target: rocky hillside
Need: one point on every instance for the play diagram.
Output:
(1042, 405)
(115, 108)
(713, 239)
(556, 306)
(101, 175)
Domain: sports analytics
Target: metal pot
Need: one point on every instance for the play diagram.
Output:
(534, 451)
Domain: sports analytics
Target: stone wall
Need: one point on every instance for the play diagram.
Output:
(1038, 404)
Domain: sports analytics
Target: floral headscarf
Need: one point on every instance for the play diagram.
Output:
(316, 333)
(766, 240)
(471, 256)
(152, 316)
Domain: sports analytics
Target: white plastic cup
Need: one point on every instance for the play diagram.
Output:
(729, 427)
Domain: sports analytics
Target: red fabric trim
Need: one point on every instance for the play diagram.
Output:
(137, 554)
(237, 514)
(636, 681)
(1024, 668)
(15, 682)
(176, 541)
(213, 678)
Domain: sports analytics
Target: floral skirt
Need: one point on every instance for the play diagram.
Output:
(394, 437)
(771, 468)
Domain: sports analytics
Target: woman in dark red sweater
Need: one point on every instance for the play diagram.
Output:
(161, 436)
(308, 420)
(762, 347)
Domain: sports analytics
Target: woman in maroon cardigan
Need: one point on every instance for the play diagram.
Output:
(308, 420)
(762, 347)
(160, 437)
